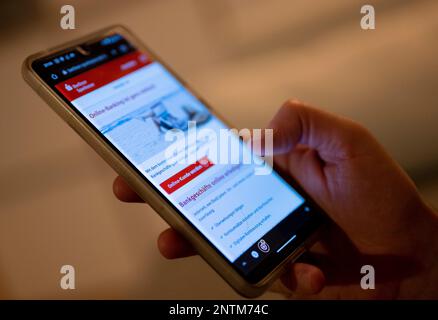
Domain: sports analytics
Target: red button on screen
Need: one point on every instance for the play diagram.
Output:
(186, 175)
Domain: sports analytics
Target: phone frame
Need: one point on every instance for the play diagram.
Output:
(140, 184)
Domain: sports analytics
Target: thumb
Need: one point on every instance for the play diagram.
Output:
(332, 136)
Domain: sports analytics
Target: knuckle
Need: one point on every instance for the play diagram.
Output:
(293, 103)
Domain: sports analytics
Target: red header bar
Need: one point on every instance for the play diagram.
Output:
(186, 175)
(93, 79)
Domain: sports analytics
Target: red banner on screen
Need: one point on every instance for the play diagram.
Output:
(93, 79)
(186, 175)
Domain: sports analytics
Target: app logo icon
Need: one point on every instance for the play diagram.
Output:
(68, 87)
(263, 246)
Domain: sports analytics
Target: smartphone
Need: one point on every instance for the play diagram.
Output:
(127, 103)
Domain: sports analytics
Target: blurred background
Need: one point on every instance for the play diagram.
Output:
(246, 57)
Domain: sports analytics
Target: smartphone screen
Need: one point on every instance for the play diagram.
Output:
(250, 215)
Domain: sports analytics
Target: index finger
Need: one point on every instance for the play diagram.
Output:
(124, 192)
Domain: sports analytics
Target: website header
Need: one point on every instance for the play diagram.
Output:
(88, 81)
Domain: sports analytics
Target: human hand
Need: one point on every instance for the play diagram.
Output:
(378, 216)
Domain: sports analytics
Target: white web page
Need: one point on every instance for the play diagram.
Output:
(230, 205)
